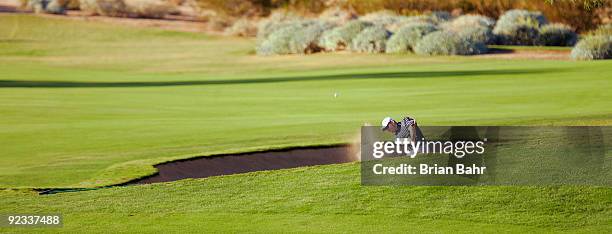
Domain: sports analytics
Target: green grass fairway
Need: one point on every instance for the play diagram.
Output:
(322, 199)
(85, 104)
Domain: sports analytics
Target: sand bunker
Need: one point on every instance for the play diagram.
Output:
(249, 162)
(218, 165)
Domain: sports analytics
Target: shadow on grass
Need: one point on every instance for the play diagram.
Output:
(500, 51)
(394, 75)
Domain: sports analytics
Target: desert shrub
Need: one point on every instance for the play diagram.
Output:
(593, 47)
(557, 35)
(604, 29)
(297, 38)
(277, 20)
(56, 7)
(89, 6)
(249, 8)
(436, 18)
(337, 16)
(243, 28)
(236, 8)
(38, 6)
(277, 42)
(46, 6)
(448, 43)
(307, 39)
(440, 16)
(370, 40)
(341, 37)
(571, 12)
(405, 38)
(519, 27)
(517, 34)
(479, 34)
(518, 16)
(471, 21)
(114, 8)
(419, 19)
(72, 5)
(218, 24)
(265, 30)
(402, 21)
(386, 19)
(473, 27)
(148, 8)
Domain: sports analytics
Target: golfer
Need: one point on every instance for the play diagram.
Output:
(407, 128)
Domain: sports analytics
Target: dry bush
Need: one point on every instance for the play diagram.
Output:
(72, 5)
(596, 45)
(251, 8)
(341, 37)
(149, 8)
(243, 28)
(471, 21)
(406, 37)
(128, 8)
(297, 38)
(568, 12)
(381, 18)
(557, 35)
(604, 29)
(45, 6)
(113, 8)
(479, 34)
(448, 43)
(337, 16)
(519, 27)
(593, 47)
(371, 40)
(393, 22)
(276, 21)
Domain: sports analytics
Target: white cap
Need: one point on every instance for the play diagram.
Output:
(385, 122)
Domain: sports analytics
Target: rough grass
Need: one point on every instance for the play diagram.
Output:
(321, 199)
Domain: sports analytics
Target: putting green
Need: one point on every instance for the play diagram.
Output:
(86, 104)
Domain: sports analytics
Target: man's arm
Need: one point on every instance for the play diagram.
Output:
(413, 133)
(410, 124)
